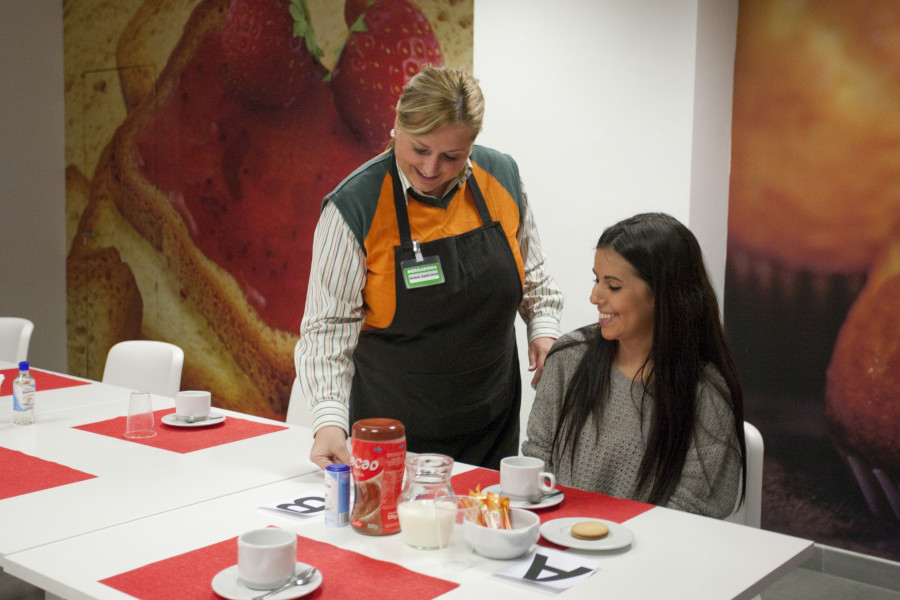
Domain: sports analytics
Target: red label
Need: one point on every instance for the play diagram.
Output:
(377, 469)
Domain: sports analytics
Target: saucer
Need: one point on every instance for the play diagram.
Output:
(174, 421)
(559, 531)
(227, 585)
(518, 502)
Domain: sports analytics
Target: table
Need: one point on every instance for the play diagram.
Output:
(147, 505)
(131, 480)
(675, 554)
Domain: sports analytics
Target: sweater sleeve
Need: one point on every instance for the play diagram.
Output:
(710, 480)
(545, 409)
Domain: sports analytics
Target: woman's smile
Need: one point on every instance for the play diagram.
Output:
(431, 161)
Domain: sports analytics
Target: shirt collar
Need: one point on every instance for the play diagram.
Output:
(451, 187)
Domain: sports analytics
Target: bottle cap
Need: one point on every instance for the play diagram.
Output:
(23, 366)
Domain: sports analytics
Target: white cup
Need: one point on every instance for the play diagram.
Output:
(524, 476)
(192, 404)
(266, 557)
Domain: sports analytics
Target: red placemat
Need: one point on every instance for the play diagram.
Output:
(42, 381)
(346, 575)
(186, 439)
(22, 473)
(576, 503)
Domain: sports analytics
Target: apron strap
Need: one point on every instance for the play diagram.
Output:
(403, 215)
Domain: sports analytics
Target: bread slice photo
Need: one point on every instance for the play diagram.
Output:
(198, 224)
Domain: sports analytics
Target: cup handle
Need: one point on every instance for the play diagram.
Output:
(548, 481)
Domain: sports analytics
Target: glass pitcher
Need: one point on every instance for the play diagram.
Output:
(427, 478)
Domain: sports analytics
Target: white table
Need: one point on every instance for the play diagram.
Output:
(675, 555)
(132, 480)
(148, 504)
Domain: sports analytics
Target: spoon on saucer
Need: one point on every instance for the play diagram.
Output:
(538, 498)
(301, 578)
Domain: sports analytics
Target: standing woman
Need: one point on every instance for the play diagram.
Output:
(421, 259)
(645, 404)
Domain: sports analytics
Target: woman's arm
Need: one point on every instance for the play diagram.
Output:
(331, 321)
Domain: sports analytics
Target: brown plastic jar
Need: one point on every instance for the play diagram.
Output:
(378, 454)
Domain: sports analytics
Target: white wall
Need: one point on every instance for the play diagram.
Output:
(610, 107)
(32, 174)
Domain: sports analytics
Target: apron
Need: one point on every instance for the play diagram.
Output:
(447, 366)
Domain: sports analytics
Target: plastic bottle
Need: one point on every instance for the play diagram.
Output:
(23, 396)
(378, 451)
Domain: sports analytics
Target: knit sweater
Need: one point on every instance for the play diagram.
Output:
(609, 460)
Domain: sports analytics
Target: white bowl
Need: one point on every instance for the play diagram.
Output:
(505, 543)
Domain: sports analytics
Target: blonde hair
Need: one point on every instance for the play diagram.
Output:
(439, 96)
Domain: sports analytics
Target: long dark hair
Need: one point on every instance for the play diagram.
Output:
(687, 334)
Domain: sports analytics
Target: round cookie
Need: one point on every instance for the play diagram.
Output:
(590, 530)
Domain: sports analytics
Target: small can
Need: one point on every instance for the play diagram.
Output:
(337, 495)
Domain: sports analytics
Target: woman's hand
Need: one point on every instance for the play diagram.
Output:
(330, 446)
(537, 353)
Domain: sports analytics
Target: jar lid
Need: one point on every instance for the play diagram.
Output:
(378, 430)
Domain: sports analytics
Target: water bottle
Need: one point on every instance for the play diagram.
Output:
(23, 396)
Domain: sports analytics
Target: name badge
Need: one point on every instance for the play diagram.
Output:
(422, 273)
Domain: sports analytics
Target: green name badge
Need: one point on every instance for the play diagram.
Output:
(422, 273)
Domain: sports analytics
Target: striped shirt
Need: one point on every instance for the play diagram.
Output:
(334, 312)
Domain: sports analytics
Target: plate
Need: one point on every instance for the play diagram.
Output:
(559, 531)
(173, 421)
(519, 503)
(227, 585)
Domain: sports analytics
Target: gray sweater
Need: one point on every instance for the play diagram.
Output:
(609, 461)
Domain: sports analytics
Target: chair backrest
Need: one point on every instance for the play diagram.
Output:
(751, 510)
(146, 366)
(15, 335)
(298, 412)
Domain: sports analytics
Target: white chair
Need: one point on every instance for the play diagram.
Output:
(15, 335)
(298, 412)
(146, 366)
(750, 511)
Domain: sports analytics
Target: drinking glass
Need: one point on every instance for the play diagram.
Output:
(139, 423)
(452, 512)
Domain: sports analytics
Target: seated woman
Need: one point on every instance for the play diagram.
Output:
(645, 404)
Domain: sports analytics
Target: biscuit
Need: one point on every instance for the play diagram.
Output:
(590, 530)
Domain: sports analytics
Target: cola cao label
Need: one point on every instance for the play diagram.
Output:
(377, 467)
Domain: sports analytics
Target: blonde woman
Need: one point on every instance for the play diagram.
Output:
(422, 257)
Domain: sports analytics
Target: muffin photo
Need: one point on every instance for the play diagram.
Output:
(815, 171)
(863, 390)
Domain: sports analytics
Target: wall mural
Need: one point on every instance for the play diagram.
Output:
(201, 137)
(812, 299)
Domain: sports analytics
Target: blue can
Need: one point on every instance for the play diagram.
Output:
(337, 495)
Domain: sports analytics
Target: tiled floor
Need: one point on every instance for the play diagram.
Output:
(807, 584)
